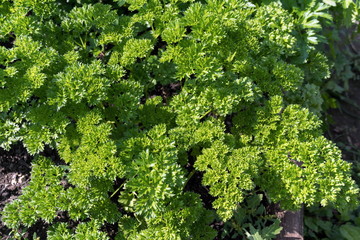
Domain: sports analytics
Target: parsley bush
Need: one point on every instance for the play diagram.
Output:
(151, 92)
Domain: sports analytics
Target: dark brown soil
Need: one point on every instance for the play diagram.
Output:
(14, 175)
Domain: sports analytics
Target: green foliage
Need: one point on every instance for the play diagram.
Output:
(251, 221)
(87, 230)
(349, 231)
(150, 92)
(325, 223)
(291, 133)
(229, 173)
(184, 218)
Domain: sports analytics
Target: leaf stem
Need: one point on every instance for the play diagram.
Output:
(189, 177)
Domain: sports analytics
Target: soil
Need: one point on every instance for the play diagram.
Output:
(15, 166)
